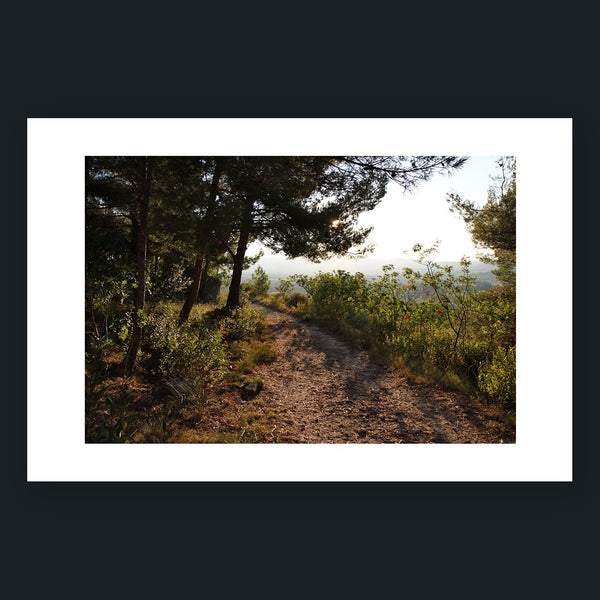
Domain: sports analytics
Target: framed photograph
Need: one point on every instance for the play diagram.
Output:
(313, 405)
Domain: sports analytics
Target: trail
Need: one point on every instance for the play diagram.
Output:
(325, 391)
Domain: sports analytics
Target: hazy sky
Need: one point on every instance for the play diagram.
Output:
(402, 219)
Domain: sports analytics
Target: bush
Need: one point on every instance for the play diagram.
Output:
(497, 377)
(434, 318)
(243, 323)
(286, 286)
(296, 298)
(193, 349)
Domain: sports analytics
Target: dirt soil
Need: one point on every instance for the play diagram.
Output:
(325, 391)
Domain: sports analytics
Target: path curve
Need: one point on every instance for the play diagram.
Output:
(325, 391)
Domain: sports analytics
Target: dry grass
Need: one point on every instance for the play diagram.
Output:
(246, 356)
(146, 408)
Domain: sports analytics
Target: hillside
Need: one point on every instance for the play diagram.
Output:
(277, 269)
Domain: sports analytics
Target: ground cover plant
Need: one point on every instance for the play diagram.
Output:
(180, 370)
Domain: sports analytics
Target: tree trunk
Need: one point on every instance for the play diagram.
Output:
(233, 298)
(201, 243)
(91, 305)
(203, 278)
(190, 299)
(139, 299)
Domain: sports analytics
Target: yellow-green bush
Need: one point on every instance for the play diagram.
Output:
(243, 323)
(435, 319)
(192, 349)
(498, 377)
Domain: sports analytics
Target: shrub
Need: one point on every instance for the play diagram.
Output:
(243, 323)
(433, 318)
(276, 301)
(286, 286)
(497, 377)
(296, 298)
(169, 282)
(193, 349)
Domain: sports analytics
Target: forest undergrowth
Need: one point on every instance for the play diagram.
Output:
(182, 369)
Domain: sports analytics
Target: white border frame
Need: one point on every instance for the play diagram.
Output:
(56, 450)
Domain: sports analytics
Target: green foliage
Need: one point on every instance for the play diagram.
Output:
(493, 225)
(247, 356)
(259, 283)
(180, 211)
(242, 323)
(201, 211)
(336, 295)
(276, 301)
(495, 318)
(454, 293)
(193, 349)
(286, 285)
(498, 377)
(296, 298)
(433, 318)
(105, 300)
(107, 418)
(97, 351)
(168, 281)
(166, 402)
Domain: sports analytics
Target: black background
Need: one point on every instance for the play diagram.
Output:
(316, 539)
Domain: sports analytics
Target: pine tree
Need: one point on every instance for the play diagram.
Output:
(493, 225)
(309, 206)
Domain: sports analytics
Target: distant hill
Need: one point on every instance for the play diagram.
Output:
(276, 268)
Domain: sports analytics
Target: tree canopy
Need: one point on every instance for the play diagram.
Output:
(158, 225)
(493, 225)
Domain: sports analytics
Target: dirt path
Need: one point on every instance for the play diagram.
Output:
(327, 392)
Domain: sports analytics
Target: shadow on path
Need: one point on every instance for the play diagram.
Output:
(328, 392)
